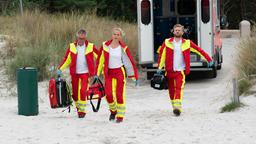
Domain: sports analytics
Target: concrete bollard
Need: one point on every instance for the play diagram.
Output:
(245, 28)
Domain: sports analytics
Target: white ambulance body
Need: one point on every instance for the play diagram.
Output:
(201, 19)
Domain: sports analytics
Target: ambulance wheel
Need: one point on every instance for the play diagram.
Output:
(219, 63)
(219, 67)
(213, 73)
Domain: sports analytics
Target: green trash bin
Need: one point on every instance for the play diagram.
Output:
(27, 91)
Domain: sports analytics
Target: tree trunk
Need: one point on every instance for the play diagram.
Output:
(242, 13)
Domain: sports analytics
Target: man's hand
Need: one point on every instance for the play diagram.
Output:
(136, 82)
(210, 64)
(159, 71)
(95, 77)
(59, 72)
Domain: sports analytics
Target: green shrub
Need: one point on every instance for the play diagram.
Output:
(30, 57)
(231, 107)
(40, 40)
(244, 86)
(246, 61)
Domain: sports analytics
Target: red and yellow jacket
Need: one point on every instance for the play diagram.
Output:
(165, 58)
(103, 60)
(71, 56)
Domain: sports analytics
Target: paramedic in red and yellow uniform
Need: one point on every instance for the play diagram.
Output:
(80, 57)
(116, 63)
(174, 56)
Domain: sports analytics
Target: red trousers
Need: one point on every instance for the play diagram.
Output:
(176, 82)
(79, 87)
(115, 91)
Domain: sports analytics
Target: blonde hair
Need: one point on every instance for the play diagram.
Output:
(118, 29)
(178, 25)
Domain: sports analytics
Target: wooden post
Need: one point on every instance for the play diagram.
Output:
(235, 91)
(21, 7)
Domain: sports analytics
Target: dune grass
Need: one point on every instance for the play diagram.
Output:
(39, 40)
(232, 106)
(246, 62)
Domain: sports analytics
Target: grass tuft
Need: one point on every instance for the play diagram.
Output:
(232, 106)
(244, 85)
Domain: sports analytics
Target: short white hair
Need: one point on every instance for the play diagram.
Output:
(81, 31)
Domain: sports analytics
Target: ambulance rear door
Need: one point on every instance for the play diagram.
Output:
(145, 31)
(205, 36)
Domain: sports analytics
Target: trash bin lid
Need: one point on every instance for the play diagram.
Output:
(27, 69)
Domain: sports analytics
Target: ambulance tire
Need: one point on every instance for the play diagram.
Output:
(220, 60)
(212, 73)
(219, 67)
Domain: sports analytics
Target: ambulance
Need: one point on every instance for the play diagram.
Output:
(201, 20)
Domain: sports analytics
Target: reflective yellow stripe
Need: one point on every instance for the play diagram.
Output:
(101, 62)
(81, 106)
(162, 60)
(183, 84)
(102, 59)
(197, 52)
(112, 106)
(89, 48)
(168, 44)
(79, 88)
(174, 83)
(95, 55)
(185, 45)
(163, 56)
(120, 110)
(66, 63)
(105, 47)
(114, 82)
(72, 47)
(125, 48)
(121, 107)
(124, 87)
(158, 50)
(177, 104)
(120, 114)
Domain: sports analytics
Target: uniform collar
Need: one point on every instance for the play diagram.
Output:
(122, 44)
(172, 39)
(85, 42)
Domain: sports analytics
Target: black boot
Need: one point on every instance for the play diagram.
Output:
(176, 112)
(112, 117)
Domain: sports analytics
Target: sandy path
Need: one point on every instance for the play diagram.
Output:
(149, 118)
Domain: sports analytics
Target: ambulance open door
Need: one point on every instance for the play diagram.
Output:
(145, 31)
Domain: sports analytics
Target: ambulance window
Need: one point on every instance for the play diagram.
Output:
(172, 5)
(205, 11)
(145, 12)
(218, 7)
(186, 7)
